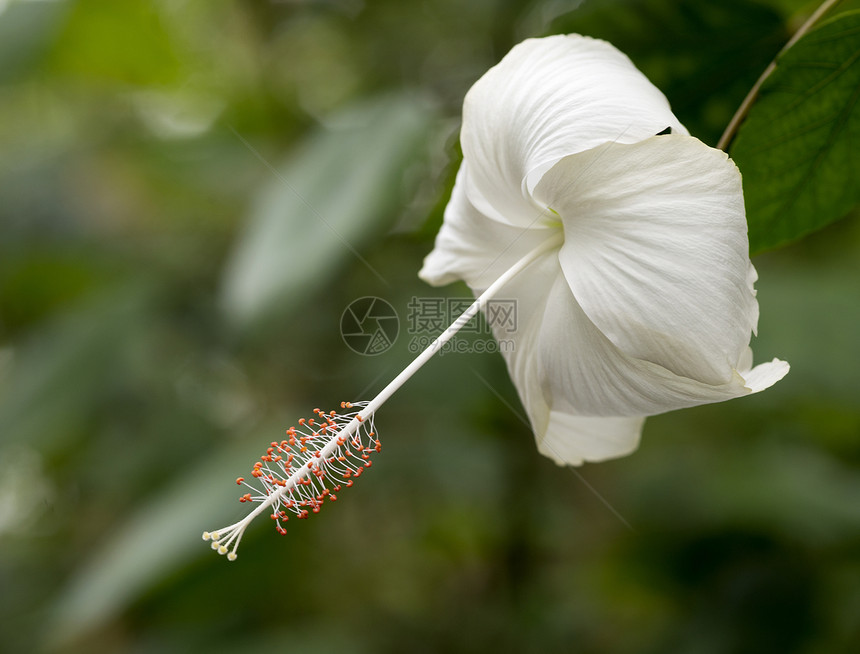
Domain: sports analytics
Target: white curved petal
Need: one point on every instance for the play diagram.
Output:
(531, 290)
(561, 430)
(581, 372)
(573, 440)
(586, 399)
(656, 251)
(765, 375)
(549, 98)
(474, 248)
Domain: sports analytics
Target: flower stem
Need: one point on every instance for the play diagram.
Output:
(744, 108)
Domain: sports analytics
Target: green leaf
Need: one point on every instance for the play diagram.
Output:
(336, 193)
(799, 148)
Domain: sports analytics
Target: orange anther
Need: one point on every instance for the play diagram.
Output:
(239, 480)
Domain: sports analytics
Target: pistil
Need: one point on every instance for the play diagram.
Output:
(329, 451)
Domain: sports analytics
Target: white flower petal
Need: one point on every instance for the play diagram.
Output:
(765, 375)
(581, 372)
(560, 429)
(549, 98)
(471, 247)
(585, 398)
(656, 251)
(573, 440)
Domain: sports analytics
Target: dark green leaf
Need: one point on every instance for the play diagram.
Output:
(799, 148)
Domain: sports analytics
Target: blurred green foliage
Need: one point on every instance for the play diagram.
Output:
(141, 146)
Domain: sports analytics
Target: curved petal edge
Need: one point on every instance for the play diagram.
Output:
(765, 375)
(573, 440)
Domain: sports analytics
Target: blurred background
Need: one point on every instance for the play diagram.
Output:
(190, 195)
